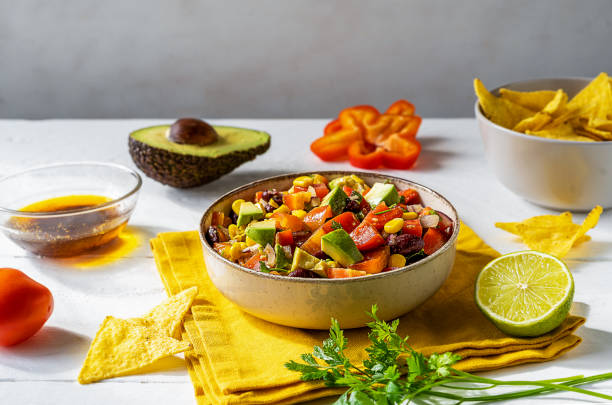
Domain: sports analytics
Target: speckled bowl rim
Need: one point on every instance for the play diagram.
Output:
(58, 214)
(448, 245)
(480, 115)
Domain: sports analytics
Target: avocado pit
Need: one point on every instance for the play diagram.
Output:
(192, 131)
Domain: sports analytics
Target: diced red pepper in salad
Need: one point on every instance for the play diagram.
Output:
(335, 228)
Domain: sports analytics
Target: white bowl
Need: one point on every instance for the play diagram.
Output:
(566, 175)
(310, 303)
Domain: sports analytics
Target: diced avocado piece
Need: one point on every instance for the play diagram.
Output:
(336, 199)
(262, 232)
(303, 260)
(382, 192)
(340, 247)
(248, 212)
(321, 268)
(281, 260)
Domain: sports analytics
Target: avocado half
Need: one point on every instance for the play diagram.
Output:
(183, 165)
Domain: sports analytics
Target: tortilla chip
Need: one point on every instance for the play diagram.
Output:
(501, 111)
(564, 132)
(557, 104)
(533, 123)
(595, 93)
(169, 314)
(122, 346)
(552, 234)
(532, 100)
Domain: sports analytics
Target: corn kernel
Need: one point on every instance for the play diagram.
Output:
(397, 261)
(283, 209)
(410, 215)
(269, 215)
(299, 213)
(318, 179)
(357, 179)
(273, 203)
(236, 205)
(250, 242)
(303, 181)
(394, 226)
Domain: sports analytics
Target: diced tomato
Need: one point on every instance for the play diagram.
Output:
(386, 215)
(366, 237)
(296, 201)
(299, 189)
(287, 221)
(347, 190)
(347, 220)
(313, 243)
(253, 262)
(258, 196)
(285, 238)
(321, 189)
(374, 261)
(413, 227)
(411, 196)
(337, 272)
(317, 217)
(434, 239)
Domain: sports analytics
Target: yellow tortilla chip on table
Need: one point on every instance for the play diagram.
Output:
(125, 346)
(122, 347)
(564, 132)
(169, 314)
(532, 100)
(552, 234)
(501, 111)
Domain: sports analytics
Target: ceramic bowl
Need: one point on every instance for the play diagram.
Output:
(67, 232)
(311, 303)
(565, 175)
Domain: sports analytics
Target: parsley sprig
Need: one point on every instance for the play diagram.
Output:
(395, 373)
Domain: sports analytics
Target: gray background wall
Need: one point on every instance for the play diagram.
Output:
(281, 58)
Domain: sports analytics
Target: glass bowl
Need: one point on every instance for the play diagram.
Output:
(64, 209)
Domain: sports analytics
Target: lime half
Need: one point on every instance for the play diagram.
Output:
(525, 293)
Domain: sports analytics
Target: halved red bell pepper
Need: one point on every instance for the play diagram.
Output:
(401, 107)
(364, 156)
(400, 153)
(317, 217)
(347, 220)
(366, 237)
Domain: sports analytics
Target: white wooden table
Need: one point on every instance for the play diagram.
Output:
(43, 370)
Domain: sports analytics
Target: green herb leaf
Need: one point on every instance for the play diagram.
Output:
(335, 225)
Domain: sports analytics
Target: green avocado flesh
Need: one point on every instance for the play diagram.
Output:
(262, 232)
(183, 165)
(340, 247)
(230, 140)
(336, 199)
(248, 212)
(382, 192)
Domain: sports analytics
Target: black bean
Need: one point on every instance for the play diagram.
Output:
(272, 194)
(267, 206)
(321, 255)
(212, 235)
(405, 244)
(352, 205)
(302, 273)
(233, 216)
(300, 237)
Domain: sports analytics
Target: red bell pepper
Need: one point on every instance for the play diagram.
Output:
(371, 139)
(285, 238)
(434, 240)
(317, 217)
(366, 237)
(287, 221)
(313, 243)
(382, 214)
(413, 227)
(347, 220)
(321, 189)
(374, 261)
(339, 272)
(411, 196)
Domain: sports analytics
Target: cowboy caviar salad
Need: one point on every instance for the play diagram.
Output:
(332, 229)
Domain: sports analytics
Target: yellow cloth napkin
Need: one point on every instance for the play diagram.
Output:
(238, 359)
